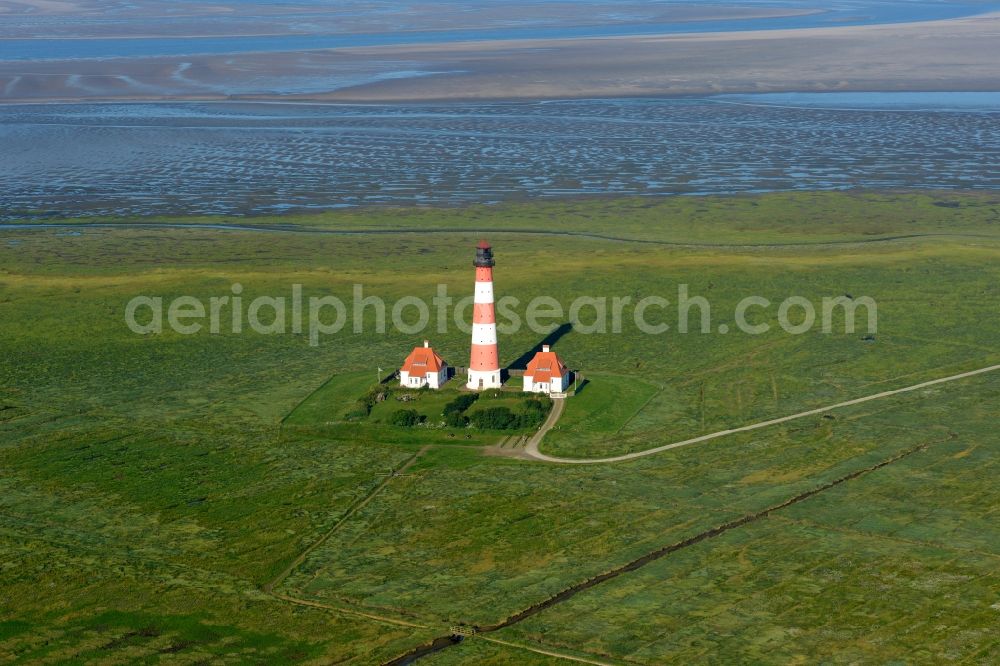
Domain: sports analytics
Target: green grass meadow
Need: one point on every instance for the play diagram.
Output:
(205, 499)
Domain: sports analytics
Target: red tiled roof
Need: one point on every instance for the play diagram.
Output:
(545, 366)
(421, 361)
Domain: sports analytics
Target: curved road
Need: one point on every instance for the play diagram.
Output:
(531, 449)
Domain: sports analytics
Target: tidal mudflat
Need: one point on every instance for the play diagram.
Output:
(38, 29)
(256, 158)
(606, 51)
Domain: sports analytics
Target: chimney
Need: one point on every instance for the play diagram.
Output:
(427, 343)
(545, 348)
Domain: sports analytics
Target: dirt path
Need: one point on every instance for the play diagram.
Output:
(558, 404)
(531, 450)
(292, 229)
(546, 652)
(349, 612)
(354, 508)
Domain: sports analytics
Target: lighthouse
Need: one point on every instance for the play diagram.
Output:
(484, 362)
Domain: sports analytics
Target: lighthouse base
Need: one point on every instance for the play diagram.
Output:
(480, 380)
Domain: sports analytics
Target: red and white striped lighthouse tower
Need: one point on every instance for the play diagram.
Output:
(484, 362)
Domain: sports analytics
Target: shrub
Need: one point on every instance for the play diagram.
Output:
(536, 405)
(357, 413)
(363, 407)
(406, 418)
(461, 403)
(495, 418)
(456, 420)
(530, 418)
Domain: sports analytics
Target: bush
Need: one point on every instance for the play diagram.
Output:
(461, 403)
(357, 413)
(456, 420)
(530, 418)
(536, 405)
(363, 407)
(495, 418)
(406, 418)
